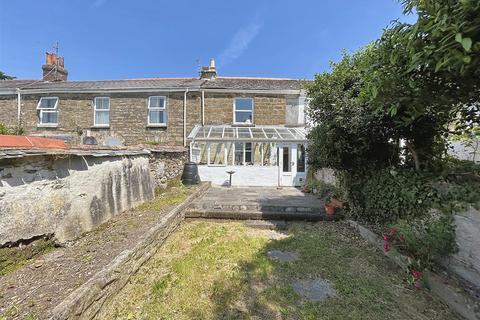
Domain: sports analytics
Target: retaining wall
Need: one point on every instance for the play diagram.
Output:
(67, 194)
(87, 301)
(465, 263)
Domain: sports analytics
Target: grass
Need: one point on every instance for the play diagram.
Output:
(209, 270)
(14, 258)
(174, 194)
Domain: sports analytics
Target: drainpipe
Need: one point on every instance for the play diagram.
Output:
(19, 108)
(203, 107)
(185, 117)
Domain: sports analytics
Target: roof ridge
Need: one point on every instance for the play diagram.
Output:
(257, 78)
(131, 79)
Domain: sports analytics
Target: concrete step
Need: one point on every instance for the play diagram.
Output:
(256, 215)
(256, 208)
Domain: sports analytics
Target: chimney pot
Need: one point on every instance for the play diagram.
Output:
(54, 68)
(209, 72)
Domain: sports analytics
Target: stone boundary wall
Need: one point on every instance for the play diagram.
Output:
(325, 175)
(86, 301)
(166, 165)
(447, 290)
(67, 194)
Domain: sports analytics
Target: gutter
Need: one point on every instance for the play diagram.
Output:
(185, 117)
(19, 108)
(145, 90)
(203, 107)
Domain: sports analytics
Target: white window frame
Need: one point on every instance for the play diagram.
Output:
(246, 111)
(164, 109)
(101, 110)
(47, 110)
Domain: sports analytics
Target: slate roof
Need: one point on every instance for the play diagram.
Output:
(232, 83)
(253, 83)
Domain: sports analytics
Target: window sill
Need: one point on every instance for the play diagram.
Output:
(156, 126)
(248, 125)
(100, 127)
(44, 125)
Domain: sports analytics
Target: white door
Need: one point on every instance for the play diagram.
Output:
(291, 165)
(285, 165)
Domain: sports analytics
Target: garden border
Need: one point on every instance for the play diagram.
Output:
(87, 300)
(449, 292)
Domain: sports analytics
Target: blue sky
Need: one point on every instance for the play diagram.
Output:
(119, 39)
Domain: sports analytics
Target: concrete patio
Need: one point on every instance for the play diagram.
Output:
(257, 203)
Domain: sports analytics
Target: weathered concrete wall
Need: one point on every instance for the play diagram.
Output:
(67, 195)
(166, 166)
(465, 263)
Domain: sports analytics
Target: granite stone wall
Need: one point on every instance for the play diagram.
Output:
(167, 165)
(128, 115)
(66, 195)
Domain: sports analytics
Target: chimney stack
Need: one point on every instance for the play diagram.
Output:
(209, 72)
(54, 69)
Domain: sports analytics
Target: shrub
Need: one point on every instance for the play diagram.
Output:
(7, 130)
(426, 239)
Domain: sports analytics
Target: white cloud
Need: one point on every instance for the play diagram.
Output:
(239, 43)
(97, 3)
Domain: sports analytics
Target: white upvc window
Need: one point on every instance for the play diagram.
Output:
(243, 111)
(48, 112)
(157, 111)
(101, 111)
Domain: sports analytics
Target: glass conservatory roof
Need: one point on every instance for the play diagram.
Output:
(257, 133)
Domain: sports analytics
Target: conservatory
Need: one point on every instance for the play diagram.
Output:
(252, 156)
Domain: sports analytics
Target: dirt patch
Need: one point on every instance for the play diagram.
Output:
(32, 291)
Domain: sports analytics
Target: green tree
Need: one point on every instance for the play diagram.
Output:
(426, 75)
(346, 134)
(3, 76)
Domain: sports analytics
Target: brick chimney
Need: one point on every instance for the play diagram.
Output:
(54, 69)
(209, 72)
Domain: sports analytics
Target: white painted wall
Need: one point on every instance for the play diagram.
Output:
(243, 176)
(464, 151)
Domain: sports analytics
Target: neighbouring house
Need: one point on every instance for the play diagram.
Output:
(252, 126)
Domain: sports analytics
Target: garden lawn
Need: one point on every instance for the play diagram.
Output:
(221, 270)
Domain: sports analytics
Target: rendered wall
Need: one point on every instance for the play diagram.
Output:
(244, 175)
(465, 263)
(66, 195)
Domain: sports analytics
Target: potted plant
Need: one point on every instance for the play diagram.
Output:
(329, 209)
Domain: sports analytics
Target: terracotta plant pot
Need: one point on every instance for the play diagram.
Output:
(336, 203)
(329, 209)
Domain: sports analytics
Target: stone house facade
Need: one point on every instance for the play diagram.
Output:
(206, 100)
(254, 126)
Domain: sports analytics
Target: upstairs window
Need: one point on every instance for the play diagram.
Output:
(157, 111)
(101, 116)
(243, 111)
(48, 113)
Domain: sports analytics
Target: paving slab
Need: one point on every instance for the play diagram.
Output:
(258, 203)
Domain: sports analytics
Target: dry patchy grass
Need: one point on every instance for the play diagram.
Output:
(209, 270)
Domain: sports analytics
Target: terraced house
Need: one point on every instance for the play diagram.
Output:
(253, 126)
